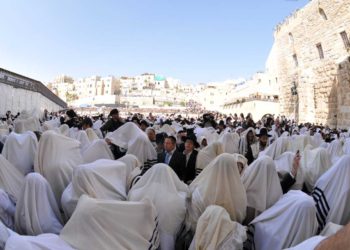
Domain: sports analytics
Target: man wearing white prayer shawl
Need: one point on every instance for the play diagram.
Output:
(91, 134)
(132, 138)
(277, 148)
(107, 224)
(161, 185)
(216, 231)
(299, 142)
(36, 210)
(314, 163)
(28, 124)
(230, 142)
(7, 210)
(57, 155)
(242, 163)
(103, 179)
(20, 150)
(11, 180)
(262, 186)
(81, 136)
(98, 149)
(134, 168)
(218, 184)
(335, 150)
(287, 223)
(208, 154)
(332, 194)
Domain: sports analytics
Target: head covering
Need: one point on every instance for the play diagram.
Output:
(91, 134)
(11, 180)
(20, 150)
(287, 223)
(103, 179)
(27, 124)
(166, 128)
(263, 132)
(230, 142)
(56, 157)
(317, 140)
(156, 184)
(243, 146)
(81, 136)
(284, 165)
(314, 163)
(120, 224)
(98, 149)
(335, 150)
(215, 230)
(7, 211)
(208, 154)
(299, 142)
(332, 194)
(4, 235)
(37, 211)
(218, 184)
(262, 184)
(241, 159)
(277, 148)
(133, 170)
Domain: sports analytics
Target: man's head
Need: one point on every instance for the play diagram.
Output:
(86, 123)
(114, 114)
(191, 143)
(151, 133)
(263, 136)
(143, 125)
(169, 143)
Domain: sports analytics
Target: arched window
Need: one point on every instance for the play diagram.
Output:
(322, 13)
(291, 38)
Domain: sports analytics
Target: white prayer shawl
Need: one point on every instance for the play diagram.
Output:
(39, 242)
(209, 133)
(91, 134)
(56, 157)
(346, 147)
(132, 138)
(4, 235)
(230, 142)
(98, 149)
(102, 179)
(36, 210)
(284, 165)
(51, 124)
(277, 148)
(28, 124)
(335, 150)
(218, 184)
(159, 182)
(133, 169)
(241, 159)
(81, 136)
(166, 128)
(64, 130)
(330, 229)
(317, 140)
(332, 194)
(11, 180)
(309, 244)
(262, 184)
(208, 154)
(215, 230)
(106, 224)
(7, 210)
(314, 163)
(97, 124)
(287, 223)
(20, 150)
(299, 142)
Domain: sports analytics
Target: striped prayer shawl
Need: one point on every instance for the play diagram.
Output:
(322, 207)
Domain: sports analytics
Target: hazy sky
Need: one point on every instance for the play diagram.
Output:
(192, 40)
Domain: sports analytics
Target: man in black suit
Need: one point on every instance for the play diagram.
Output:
(175, 159)
(191, 158)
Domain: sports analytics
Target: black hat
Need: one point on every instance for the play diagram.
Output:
(193, 138)
(262, 132)
(114, 112)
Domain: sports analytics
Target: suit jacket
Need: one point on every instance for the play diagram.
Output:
(190, 169)
(177, 162)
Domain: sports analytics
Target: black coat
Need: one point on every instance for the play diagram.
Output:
(177, 162)
(190, 169)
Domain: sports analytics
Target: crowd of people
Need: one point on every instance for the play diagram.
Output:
(171, 182)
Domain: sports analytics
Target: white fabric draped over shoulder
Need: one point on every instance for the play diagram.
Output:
(277, 148)
(262, 184)
(57, 155)
(82, 137)
(309, 244)
(314, 163)
(106, 224)
(134, 168)
(299, 142)
(103, 179)
(157, 183)
(132, 138)
(20, 150)
(332, 194)
(284, 165)
(287, 223)
(7, 210)
(28, 124)
(11, 180)
(98, 149)
(91, 134)
(335, 150)
(208, 154)
(215, 230)
(37, 211)
(218, 184)
(241, 159)
(230, 142)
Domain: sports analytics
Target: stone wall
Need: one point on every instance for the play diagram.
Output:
(322, 83)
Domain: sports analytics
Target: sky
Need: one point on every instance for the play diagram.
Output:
(196, 41)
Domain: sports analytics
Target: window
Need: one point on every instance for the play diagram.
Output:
(345, 38)
(322, 13)
(295, 58)
(291, 38)
(320, 50)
